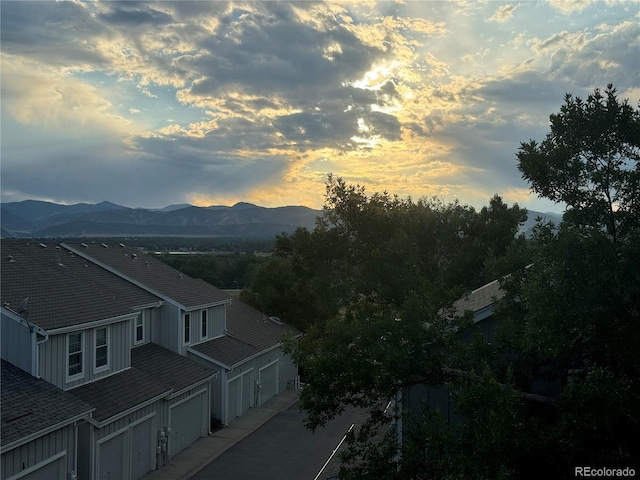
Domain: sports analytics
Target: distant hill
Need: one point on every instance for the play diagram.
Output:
(32, 218)
(527, 227)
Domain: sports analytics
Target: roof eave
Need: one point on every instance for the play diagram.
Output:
(85, 415)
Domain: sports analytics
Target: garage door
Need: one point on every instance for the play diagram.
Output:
(239, 395)
(141, 454)
(111, 458)
(233, 394)
(247, 390)
(268, 382)
(186, 423)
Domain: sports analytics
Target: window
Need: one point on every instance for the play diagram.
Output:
(101, 352)
(139, 330)
(187, 333)
(74, 356)
(204, 324)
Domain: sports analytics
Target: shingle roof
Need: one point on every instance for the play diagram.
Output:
(479, 298)
(254, 327)
(154, 371)
(63, 289)
(30, 405)
(120, 392)
(151, 272)
(250, 332)
(227, 350)
(169, 368)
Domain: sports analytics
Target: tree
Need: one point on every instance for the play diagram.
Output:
(576, 310)
(589, 160)
(380, 246)
(378, 274)
(569, 322)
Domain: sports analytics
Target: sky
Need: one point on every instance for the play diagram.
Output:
(148, 104)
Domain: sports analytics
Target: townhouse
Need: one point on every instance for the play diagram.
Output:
(119, 337)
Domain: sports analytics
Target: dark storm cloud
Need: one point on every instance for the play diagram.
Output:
(52, 33)
(528, 89)
(270, 53)
(134, 13)
(168, 170)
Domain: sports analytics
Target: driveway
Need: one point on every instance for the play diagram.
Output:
(281, 449)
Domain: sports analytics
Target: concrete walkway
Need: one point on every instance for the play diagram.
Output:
(198, 455)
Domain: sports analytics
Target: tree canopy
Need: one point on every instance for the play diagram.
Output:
(589, 160)
(557, 385)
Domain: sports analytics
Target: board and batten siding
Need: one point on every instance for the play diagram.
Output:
(165, 326)
(16, 343)
(53, 355)
(216, 317)
(91, 436)
(39, 451)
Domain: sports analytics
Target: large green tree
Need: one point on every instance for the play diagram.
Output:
(370, 285)
(558, 386)
(589, 160)
(380, 246)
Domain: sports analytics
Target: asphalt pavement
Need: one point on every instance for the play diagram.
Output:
(206, 449)
(281, 449)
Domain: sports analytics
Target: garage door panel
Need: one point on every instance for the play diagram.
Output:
(268, 382)
(141, 455)
(247, 390)
(186, 423)
(233, 393)
(112, 455)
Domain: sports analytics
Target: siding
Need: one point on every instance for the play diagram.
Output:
(39, 450)
(91, 436)
(216, 317)
(16, 343)
(53, 355)
(164, 330)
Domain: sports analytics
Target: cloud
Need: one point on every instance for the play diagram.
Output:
(419, 98)
(503, 13)
(47, 98)
(568, 7)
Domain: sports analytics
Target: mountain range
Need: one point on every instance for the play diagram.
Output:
(38, 219)
(34, 218)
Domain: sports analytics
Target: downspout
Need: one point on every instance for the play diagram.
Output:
(209, 395)
(74, 474)
(35, 368)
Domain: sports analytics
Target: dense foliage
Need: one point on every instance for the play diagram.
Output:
(556, 386)
(383, 248)
(230, 270)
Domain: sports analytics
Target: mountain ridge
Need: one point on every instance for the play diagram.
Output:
(36, 218)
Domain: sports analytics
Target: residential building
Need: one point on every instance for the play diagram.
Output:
(117, 333)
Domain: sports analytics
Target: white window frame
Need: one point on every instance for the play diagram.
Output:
(105, 367)
(79, 375)
(135, 329)
(186, 329)
(204, 322)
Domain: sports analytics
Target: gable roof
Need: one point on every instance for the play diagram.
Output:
(169, 368)
(226, 350)
(155, 373)
(150, 273)
(31, 405)
(116, 394)
(63, 289)
(254, 327)
(249, 333)
(480, 301)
